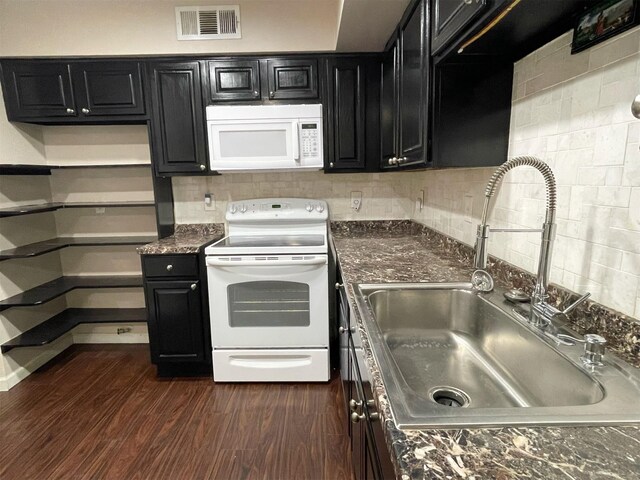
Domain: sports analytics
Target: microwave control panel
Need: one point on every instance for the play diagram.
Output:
(309, 140)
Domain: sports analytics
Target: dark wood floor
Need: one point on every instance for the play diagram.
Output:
(99, 412)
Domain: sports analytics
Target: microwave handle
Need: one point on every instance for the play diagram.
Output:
(295, 139)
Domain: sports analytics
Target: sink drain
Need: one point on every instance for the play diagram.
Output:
(449, 397)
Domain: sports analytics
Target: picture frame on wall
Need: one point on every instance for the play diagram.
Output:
(605, 20)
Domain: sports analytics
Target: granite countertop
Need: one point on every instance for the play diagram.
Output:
(188, 238)
(390, 251)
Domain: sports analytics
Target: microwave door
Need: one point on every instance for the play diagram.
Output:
(251, 145)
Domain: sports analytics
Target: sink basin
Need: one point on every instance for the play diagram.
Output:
(452, 357)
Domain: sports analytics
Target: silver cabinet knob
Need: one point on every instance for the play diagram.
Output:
(393, 161)
(635, 107)
(202, 167)
(194, 286)
(339, 285)
(331, 164)
(255, 93)
(342, 329)
(357, 418)
(468, 2)
(272, 94)
(70, 110)
(86, 110)
(169, 267)
(354, 405)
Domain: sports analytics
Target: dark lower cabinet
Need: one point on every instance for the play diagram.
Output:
(77, 92)
(178, 319)
(178, 127)
(369, 454)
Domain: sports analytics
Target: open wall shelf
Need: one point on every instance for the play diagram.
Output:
(40, 248)
(50, 207)
(55, 288)
(22, 169)
(65, 321)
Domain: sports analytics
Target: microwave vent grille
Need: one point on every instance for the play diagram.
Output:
(208, 23)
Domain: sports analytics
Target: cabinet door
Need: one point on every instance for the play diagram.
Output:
(108, 88)
(233, 80)
(450, 17)
(389, 107)
(176, 332)
(345, 357)
(35, 89)
(346, 112)
(178, 129)
(414, 82)
(291, 79)
(359, 429)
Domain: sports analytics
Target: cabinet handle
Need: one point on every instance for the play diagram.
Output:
(331, 164)
(339, 285)
(70, 110)
(271, 94)
(255, 93)
(194, 286)
(468, 2)
(354, 405)
(202, 167)
(357, 418)
(341, 329)
(169, 267)
(393, 161)
(86, 110)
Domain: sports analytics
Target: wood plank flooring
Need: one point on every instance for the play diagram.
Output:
(99, 412)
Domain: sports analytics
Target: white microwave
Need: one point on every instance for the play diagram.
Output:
(265, 137)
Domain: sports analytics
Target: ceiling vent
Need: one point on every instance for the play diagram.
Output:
(208, 23)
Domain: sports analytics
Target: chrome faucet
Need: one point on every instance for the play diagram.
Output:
(541, 312)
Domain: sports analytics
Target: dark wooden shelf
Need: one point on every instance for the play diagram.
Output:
(24, 169)
(40, 248)
(65, 321)
(50, 207)
(21, 169)
(53, 289)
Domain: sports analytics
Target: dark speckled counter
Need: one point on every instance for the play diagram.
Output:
(376, 252)
(186, 239)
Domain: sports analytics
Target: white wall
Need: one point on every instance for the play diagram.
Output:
(120, 27)
(573, 111)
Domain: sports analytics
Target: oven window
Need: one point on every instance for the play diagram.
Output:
(269, 304)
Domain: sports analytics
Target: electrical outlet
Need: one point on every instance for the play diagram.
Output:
(420, 201)
(100, 210)
(122, 330)
(209, 201)
(356, 200)
(468, 208)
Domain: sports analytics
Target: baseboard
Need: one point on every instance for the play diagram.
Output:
(44, 355)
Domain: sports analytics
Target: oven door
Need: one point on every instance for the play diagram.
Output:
(268, 301)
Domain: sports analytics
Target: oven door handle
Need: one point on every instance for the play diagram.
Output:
(216, 262)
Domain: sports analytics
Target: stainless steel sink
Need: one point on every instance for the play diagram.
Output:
(452, 357)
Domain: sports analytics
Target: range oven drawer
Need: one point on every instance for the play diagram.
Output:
(271, 365)
(170, 265)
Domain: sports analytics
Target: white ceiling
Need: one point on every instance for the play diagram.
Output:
(366, 25)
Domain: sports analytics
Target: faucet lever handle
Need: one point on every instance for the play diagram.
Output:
(575, 304)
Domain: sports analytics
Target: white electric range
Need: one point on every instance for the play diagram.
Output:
(268, 292)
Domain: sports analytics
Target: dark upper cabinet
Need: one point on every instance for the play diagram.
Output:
(78, 92)
(178, 127)
(405, 82)
(292, 79)
(346, 110)
(232, 80)
(449, 17)
(105, 89)
(175, 321)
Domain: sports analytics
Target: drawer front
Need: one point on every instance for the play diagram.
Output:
(170, 265)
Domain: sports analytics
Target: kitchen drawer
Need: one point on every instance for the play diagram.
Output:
(170, 265)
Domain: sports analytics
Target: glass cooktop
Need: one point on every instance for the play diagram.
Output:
(272, 241)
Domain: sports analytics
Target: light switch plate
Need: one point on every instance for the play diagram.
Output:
(468, 208)
(209, 202)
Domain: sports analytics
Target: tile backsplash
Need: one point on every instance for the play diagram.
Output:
(573, 111)
(384, 196)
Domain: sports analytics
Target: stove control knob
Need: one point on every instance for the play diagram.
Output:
(243, 209)
(309, 207)
(320, 208)
(233, 209)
